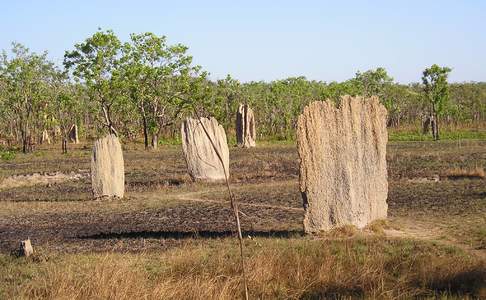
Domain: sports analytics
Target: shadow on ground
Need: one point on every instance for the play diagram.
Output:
(193, 234)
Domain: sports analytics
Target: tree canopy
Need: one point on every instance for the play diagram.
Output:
(143, 87)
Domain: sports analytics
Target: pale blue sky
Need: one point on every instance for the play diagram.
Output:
(266, 40)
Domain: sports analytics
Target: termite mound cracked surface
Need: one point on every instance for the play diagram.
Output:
(343, 173)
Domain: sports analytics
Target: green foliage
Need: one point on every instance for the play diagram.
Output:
(96, 62)
(468, 102)
(373, 83)
(416, 135)
(436, 91)
(145, 86)
(436, 87)
(7, 154)
(226, 96)
(156, 77)
(26, 85)
(170, 141)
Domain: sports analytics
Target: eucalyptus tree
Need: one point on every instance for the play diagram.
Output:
(96, 62)
(25, 78)
(470, 100)
(436, 92)
(225, 102)
(378, 83)
(156, 76)
(335, 90)
(255, 94)
(67, 105)
(6, 127)
(401, 102)
(374, 83)
(286, 101)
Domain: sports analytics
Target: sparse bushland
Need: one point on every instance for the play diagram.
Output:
(145, 87)
(142, 246)
(370, 267)
(409, 133)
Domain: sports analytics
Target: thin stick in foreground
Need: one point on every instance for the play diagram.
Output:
(234, 203)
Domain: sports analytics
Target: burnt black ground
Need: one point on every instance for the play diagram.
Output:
(164, 208)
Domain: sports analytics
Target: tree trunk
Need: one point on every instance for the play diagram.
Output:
(436, 131)
(145, 133)
(155, 141)
(109, 123)
(24, 145)
(64, 145)
(228, 111)
(435, 128)
(26, 140)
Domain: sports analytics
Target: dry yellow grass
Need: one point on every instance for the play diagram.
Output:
(378, 226)
(277, 268)
(476, 172)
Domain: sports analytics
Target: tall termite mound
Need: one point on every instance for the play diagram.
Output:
(343, 174)
(245, 127)
(201, 152)
(45, 139)
(73, 134)
(107, 168)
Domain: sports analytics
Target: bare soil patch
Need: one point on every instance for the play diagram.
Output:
(164, 208)
(16, 181)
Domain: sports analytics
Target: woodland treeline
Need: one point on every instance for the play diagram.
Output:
(142, 88)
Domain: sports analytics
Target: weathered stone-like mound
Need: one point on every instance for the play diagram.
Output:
(57, 131)
(45, 137)
(73, 134)
(26, 248)
(201, 158)
(343, 175)
(245, 127)
(107, 168)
